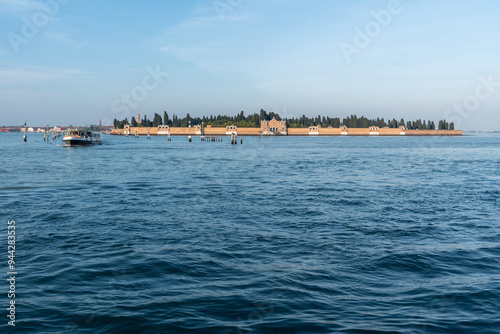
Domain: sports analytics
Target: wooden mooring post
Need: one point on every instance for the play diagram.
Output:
(234, 139)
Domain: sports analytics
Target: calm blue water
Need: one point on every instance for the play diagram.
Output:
(278, 235)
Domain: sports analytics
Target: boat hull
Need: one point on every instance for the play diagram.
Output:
(79, 142)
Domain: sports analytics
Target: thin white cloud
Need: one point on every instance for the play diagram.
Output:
(11, 94)
(31, 75)
(65, 38)
(209, 21)
(186, 42)
(16, 6)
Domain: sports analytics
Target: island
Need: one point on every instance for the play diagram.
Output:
(271, 124)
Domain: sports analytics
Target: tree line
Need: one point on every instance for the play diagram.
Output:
(254, 120)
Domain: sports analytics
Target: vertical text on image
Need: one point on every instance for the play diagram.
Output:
(11, 273)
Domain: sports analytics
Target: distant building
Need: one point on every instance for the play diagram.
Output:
(232, 129)
(163, 130)
(374, 131)
(139, 119)
(402, 130)
(314, 130)
(344, 130)
(273, 127)
(197, 129)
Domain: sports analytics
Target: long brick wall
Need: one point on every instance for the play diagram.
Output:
(248, 131)
(434, 132)
(296, 132)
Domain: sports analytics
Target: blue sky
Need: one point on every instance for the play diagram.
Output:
(429, 59)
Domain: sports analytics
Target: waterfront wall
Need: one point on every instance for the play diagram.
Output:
(298, 131)
(434, 132)
(185, 131)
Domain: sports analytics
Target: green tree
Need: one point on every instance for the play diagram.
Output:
(166, 121)
(157, 120)
(263, 115)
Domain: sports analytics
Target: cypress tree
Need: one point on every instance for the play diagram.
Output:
(165, 118)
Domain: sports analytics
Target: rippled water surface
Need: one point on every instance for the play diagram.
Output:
(278, 235)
